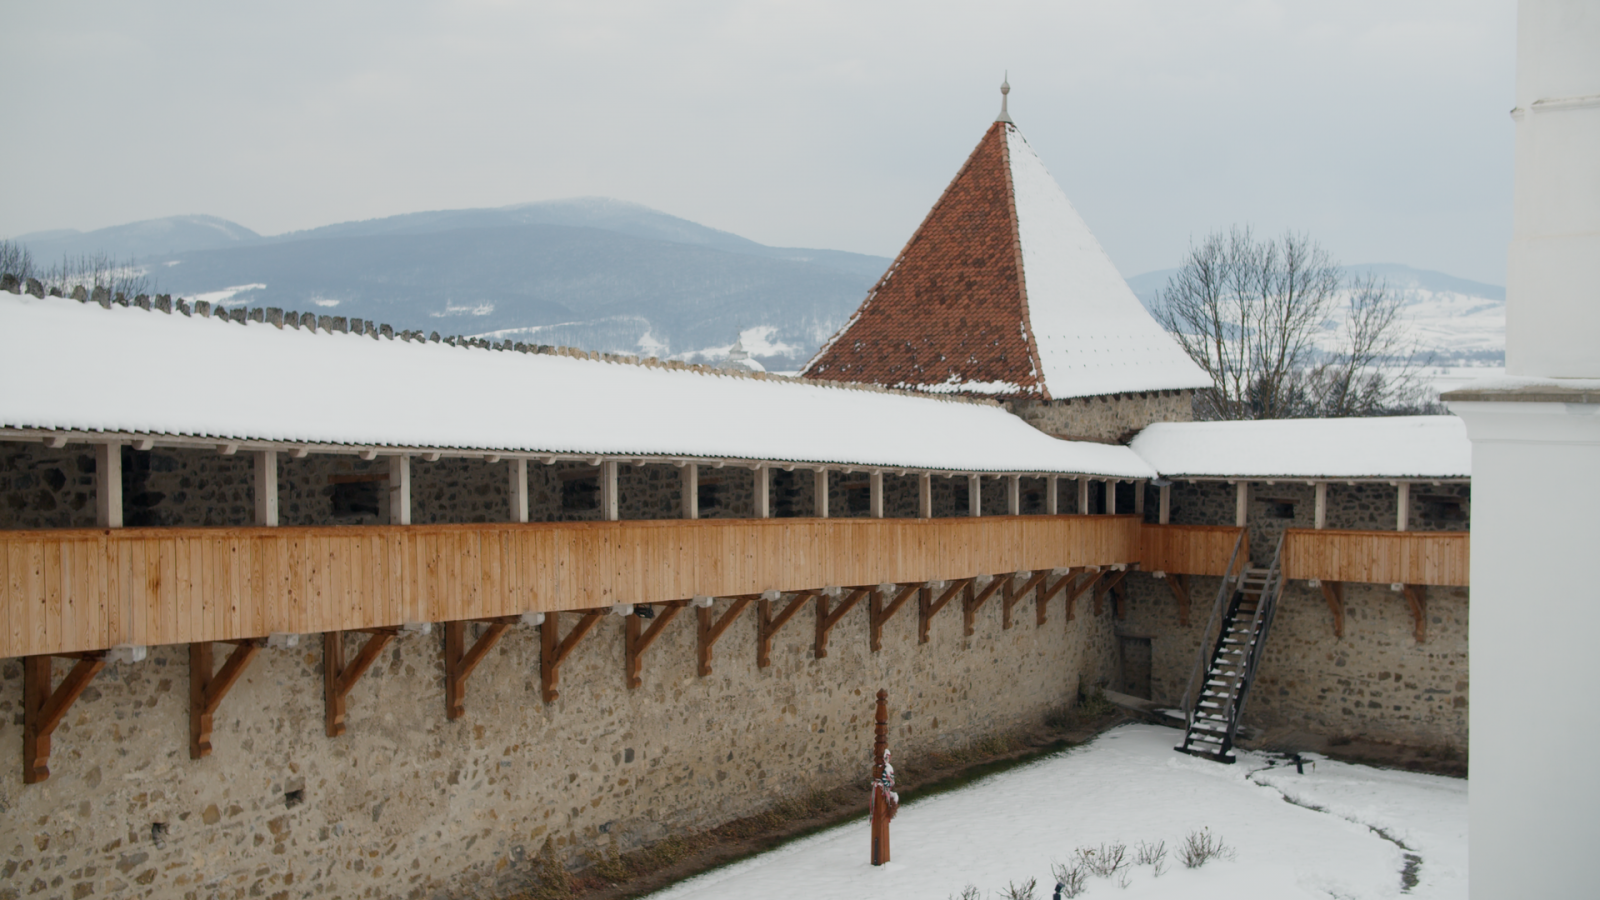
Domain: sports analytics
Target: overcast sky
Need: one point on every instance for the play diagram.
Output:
(1380, 128)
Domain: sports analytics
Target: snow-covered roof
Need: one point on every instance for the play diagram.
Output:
(76, 366)
(1004, 291)
(1424, 447)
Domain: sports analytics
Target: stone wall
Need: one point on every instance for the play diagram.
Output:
(1376, 682)
(1111, 417)
(406, 804)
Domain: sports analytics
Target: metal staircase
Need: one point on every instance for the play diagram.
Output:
(1246, 603)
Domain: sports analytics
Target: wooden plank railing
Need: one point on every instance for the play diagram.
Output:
(1379, 557)
(1191, 549)
(74, 590)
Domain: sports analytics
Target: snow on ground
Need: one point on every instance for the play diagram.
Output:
(1337, 838)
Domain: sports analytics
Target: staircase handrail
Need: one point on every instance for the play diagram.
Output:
(1260, 627)
(1223, 593)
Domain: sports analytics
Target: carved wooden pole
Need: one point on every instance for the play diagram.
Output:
(880, 793)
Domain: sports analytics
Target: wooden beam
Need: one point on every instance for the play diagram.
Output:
(1241, 504)
(1179, 584)
(608, 490)
(974, 600)
(517, 491)
(819, 493)
(882, 612)
(399, 490)
(1164, 511)
(107, 486)
(266, 488)
(1013, 495)
(1079, 590)
(1333, 592)
(1048, 593)
(826, 620)
(1320, 520)
(974, 495)
(1010, 597)
(1110, 498)
(711, 627)
(207, 688)
(927, 607)
(637, 639)
(1417, 598)
(925, 496)
(689, 475)
(459, 660)
(1083, 496)
(767, 624)
(43, 708)
(1402, 514)
(875, 492)
(1138, 497)
(554, 649)
(338, 678)
(1108, 584)
(1052, 494)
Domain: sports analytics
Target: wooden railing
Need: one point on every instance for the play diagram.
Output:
(1190, 549)
(75, 590)
(1380, 557)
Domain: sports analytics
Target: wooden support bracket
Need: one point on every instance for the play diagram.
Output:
(1047, 592)
(974, 600)
(927, 607)
(767, 625)
(338, 678)
(826, 620)
(207, 688)
(1078, 590)
(459, 660)
(1010, 598)
(1180, 592)
(1333, 592)
(43, 709)
(554, 649)
(1109, 583)
(1417, 599)
(711, 628)
(882, 612)
(638, 638)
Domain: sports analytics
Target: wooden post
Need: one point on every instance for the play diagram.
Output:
(875, 488)
(608, 490)
(974, 495)
(767, 624)
(925, 496)
(710, 628)
(1321, 520)
(338, 678)
(1138, 497)
(819, 493)
(927, 607)
(1110, 499)
(43, 709)
(1164, 513)
(880, 803)
(1083, 496)
(554, 649)
(1013, 495)
(763, 494)
(518, 490)
(460, 660)
(1241, 504)
(1402, 516)
(266, 485)
(690, 475)
(207, 688)
(399, 491)
(107, 488)
(1052, 504)
(637, 639)
(1333, 592)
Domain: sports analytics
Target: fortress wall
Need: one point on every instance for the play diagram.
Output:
(1375, 682)
(407, 804)
(1115, 418)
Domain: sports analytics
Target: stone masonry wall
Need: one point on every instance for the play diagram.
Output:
(1113, 417)
(406, 804)
(1376, 682)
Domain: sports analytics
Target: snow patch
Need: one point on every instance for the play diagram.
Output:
(227, 294)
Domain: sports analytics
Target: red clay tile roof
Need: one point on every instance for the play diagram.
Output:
(952, 308)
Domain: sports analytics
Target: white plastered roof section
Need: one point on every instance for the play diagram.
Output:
(75, 366)
(1092, 334)
(1420, 447)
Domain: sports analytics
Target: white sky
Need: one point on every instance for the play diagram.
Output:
(1380, 128)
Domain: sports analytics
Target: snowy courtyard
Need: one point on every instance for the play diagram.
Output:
(1336, 831)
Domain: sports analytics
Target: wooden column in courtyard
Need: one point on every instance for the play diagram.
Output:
(690, 476)
(880, 799)
(108, 485)
(819, 493)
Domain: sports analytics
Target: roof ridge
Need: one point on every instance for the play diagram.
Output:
(326, 324)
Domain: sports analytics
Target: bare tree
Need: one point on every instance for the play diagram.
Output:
(1263, 318)
(15, 260)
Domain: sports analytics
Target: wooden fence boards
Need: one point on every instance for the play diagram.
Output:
(1379, 557)
(1191, 549)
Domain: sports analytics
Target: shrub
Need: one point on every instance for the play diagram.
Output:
(1070, 880)
(1023, 891)
(1200, 847)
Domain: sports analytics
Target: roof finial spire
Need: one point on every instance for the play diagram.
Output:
(1005, 88)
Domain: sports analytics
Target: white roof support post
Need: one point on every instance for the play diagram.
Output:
(690, 476)
(1138, 497)
(518, 491)
(1083, 496)
(974, 495)
(1241, 503)
(1013, 495)
(763, 493)
(1052, 503)
(875, 487)
(1321, 518)
(1110, 498)
(1164, 512)
(266, 485)
(399, 490)
(608, 490)
(108, 485)
(819, 493)
(925, 496)
(1402, 514)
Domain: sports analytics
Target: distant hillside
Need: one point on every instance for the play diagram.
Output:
(138, 240)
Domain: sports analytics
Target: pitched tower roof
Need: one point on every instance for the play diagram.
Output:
(1003, 291)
